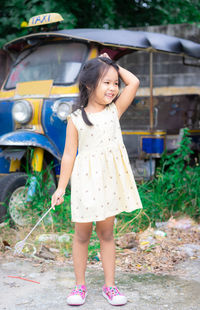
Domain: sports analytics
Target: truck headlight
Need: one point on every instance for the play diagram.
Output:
(62, 108)
(22, 111)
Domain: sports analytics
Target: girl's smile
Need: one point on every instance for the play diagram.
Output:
(102, 183)
(105, 92)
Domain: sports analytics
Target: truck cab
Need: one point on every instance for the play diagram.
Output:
(42, 86)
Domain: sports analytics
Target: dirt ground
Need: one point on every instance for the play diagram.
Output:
(54, 280)
(156, 269)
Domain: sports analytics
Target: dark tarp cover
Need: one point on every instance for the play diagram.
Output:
(125, 39)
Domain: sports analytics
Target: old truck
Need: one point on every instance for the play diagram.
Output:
(41, 87)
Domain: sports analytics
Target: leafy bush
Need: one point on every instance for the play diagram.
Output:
(58, 219)
(174, 191)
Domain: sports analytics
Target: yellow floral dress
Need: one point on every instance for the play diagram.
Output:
(102, 182)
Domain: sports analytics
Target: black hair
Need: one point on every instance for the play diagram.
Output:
(88, 80)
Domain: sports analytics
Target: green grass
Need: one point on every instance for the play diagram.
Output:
(174, 191)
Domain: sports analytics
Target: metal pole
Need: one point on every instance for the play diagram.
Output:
(151, 103)
(151, 89)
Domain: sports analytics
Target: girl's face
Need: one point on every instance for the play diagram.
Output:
(107, 88)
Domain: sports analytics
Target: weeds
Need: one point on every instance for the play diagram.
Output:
(35, 202)
(174, 191)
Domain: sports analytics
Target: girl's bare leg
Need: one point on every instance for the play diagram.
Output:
(80, 250)
(104, 231)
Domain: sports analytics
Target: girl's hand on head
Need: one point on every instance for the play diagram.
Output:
(105, 55)
(57, 198)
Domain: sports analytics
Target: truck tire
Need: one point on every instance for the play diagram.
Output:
(10, 186)
(13, 198)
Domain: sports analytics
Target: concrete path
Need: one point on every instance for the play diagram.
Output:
(145, 292)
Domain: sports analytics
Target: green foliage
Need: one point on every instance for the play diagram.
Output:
(174, 191)
(62, 214)
(178, 11)
(14, 12)
(177, 185)
(97, 14)
(60, 218)
(94, 246)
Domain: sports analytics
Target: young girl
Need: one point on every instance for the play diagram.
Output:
(102, 183)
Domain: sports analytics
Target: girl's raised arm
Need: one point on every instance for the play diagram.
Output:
(128, 94)
(67, 163)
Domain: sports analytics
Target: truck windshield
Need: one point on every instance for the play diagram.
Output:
(60, 62)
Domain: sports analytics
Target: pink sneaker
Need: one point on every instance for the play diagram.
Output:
(113, 296)
(77, 296)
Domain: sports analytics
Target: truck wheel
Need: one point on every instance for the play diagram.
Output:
(12, 196)
(13, 199)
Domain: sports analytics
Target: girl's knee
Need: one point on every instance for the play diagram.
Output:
(104, 229)
(105, 235)
(82, 238)
(82, 234)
